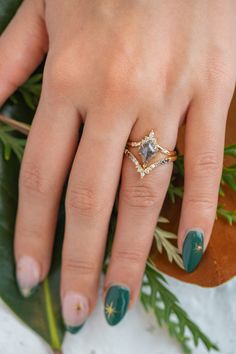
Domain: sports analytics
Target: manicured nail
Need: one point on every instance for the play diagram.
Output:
(74, 330)
(116, 303)
(193, 248)
(27, 275)
(75, 308)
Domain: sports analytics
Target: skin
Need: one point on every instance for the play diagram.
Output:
(122, 68)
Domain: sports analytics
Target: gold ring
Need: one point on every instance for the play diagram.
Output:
(148, 148)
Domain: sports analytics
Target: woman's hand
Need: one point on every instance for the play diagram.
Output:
(122, 67)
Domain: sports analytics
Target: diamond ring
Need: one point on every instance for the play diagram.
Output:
(148, 149)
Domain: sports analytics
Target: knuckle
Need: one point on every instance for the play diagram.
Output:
(201, 202)
(141, 196)
(220, 77)
(208, 163)
(115, 79)
(61, 72)
(30, 233)
(79, 266)
(134, 256)
(33, 180)
(84, 201)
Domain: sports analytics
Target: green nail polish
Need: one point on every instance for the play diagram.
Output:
(116, 303)
(74, 330)
(26, 293)
(193, 248)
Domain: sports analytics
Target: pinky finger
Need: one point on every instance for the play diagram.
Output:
(204, 147)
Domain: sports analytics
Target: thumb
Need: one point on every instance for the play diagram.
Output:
(22, 46)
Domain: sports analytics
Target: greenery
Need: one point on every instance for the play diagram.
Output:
(30, 91)
(11, 143)
(228, 178)
(42, 312)
(156, 297)
(160, 299)
(162, 239)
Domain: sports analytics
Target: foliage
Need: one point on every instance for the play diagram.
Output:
(228, 178)
(162, 239)
(7, 10)
(229, 215)
(30, 91)
(161, 301)
(156, 297)
(11, 143)
(42, 312)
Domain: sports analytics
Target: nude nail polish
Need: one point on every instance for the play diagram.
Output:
(75, 309)
(27, 275)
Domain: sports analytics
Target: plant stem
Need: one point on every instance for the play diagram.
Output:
(22, 127)
(57, 352)
(52, 323)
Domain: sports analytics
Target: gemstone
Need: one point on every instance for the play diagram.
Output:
(148, 150)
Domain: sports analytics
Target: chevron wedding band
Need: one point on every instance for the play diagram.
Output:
(148, 149)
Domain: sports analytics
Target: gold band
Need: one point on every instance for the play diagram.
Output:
(148, 149)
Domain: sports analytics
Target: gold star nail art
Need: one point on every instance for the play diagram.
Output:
(78, 307)
(110, 310)
(198, 248)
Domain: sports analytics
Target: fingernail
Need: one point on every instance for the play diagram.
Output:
(116, 303)
(74, 330)
(75, 308)
(27, 275)
(193, 248)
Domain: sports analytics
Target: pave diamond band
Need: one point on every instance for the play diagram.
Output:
(148, 149)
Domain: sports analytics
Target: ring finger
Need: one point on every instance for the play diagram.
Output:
(140, 202)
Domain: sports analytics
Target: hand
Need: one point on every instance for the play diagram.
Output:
(122, 68)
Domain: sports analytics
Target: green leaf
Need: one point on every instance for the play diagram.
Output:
(230, 150)
(7, 11)
(156, 297)
(30, 91)
(41, 312)
(11, 143)
(229, 215)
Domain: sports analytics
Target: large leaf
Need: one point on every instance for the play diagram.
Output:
(7, 11)
(42, 311)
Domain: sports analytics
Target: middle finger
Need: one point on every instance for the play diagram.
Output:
(90, 196)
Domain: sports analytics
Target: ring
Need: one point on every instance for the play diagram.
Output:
(148, 148)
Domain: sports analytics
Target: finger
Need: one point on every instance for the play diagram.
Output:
(140, 202)
(89, 201)
(22, 47)
(204, 141)
(50, 149)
